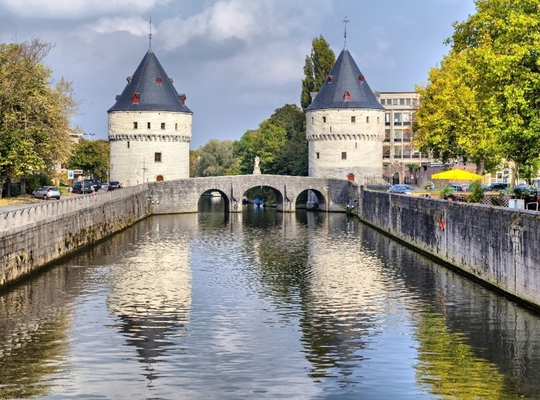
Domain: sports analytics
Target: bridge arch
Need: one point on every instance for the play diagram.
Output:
(182, 195)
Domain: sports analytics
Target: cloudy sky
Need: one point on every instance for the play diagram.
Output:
(236, 60)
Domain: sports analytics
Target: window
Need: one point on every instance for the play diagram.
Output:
(317, 155)
(383, 101)
(163, 125)
(408, 102)
(367, 120)
(347, 96)
(353, 119)
(135, 98)
(397, 151)
(148, 125)
(387, 118)
(323, 119)
(157, 157)
(414, 102)
(135, 125)
(387, 135)
(128, 144)
(378, 119)
(343, 155)
(394, 102)
(176, 126)
(398, 135)
(312, 119)
(397, 118)
(401, 102)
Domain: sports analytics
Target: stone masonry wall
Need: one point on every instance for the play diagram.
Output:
(497, 245)
(33, 237)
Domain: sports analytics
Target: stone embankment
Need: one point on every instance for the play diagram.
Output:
(35, 236)
(497, 245)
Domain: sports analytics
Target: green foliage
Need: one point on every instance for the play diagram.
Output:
(279, 142)
(482, 103)
(216, 158)
(317, 67)
(34, 116)
(93, 157)
(446, 192)
(476, 192)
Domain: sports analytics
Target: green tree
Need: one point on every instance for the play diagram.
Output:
(34, 116)
(316, 69)
(216, 158)
(494, 66)
(93, 157)
(293, 158)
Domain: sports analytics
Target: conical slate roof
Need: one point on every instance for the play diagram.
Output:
(150, 89)
(345, 87)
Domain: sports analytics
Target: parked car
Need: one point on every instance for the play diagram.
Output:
(497, 186)
(401, 189)
(113, 185)
(47, 192)
(458, 187)
(82, 187)
(104, 186)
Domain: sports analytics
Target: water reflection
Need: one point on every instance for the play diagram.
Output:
(261, 304)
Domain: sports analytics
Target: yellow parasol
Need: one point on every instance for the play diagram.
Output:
(457, 174)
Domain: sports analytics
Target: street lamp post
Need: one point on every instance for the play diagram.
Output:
(89, 135)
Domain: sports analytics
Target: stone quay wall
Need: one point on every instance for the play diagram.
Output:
(497, 245)
(33, 237)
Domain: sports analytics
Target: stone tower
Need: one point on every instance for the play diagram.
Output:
(345, 126)
(149, 128)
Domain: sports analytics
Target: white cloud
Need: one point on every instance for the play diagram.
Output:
(78, 9)
(134, 25)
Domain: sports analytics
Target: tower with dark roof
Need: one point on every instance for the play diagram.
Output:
(150, 128)
(345, 126)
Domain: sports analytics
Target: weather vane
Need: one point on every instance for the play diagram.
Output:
(150, 34)
(345, 32)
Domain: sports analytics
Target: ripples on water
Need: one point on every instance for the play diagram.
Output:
(261, 305)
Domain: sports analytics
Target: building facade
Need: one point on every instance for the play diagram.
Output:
(150, 128)
(345, 126)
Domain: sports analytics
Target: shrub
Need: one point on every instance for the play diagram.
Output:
(477, 192)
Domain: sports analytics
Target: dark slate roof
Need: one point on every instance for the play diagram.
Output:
(345, 76)
(153, 87)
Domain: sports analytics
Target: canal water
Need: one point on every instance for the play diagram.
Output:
(261, 305)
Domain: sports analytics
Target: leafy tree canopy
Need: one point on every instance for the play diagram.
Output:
(93, 157)
(488, 87)
(317, 67)
(216, 158)
(34, 116)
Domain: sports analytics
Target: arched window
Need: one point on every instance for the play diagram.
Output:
(159, 178)
(350, 177)
(346, 96)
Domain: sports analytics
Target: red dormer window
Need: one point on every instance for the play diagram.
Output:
(159, 80)
(330, 78)
(361, 78)
(135, 98)
(346, 96)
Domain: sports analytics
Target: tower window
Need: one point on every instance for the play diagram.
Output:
(330, 78)
(128, 144)
(163, 125)
(353, 119)
(157, 157)
(148, 125)
(317, 155)
(324, 119)
(159, 80)
(176, 126)
(346, 96)
(378, 119)
(135, 98)
(367, 120)
(343, 155)
(135, 125)
(361, 78)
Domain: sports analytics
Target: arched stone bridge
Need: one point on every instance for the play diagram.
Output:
(182, 195)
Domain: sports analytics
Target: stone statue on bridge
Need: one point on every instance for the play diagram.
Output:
(256, 169)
